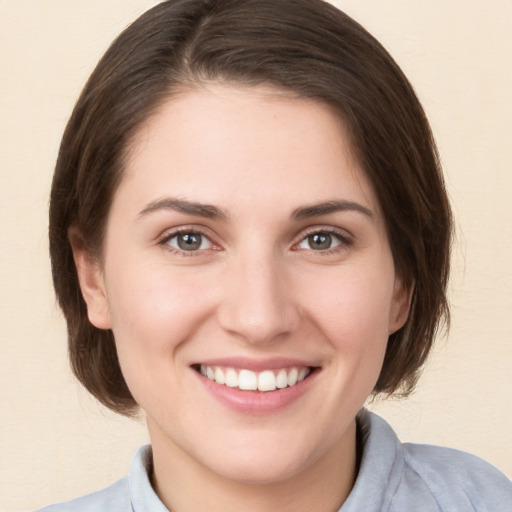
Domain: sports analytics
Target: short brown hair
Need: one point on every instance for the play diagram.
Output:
(307, 47)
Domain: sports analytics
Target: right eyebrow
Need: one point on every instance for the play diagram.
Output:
(327, 207)
(196, 209)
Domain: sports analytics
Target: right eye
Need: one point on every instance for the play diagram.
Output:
(188, 241)
(320, 241)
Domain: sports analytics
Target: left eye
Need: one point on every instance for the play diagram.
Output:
(320, 241)
(189, 242)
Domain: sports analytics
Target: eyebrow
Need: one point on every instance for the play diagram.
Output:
(324, 208)
(207, 211)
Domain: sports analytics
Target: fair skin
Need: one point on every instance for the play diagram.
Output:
(245, 239)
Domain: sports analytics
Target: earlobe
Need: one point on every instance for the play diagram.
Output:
(91, 281)
(401, 305)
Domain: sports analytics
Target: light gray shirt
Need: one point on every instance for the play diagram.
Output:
(393, 477)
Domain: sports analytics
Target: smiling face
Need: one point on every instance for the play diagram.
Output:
(245, 249)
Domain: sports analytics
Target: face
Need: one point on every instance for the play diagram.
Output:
(248, 280)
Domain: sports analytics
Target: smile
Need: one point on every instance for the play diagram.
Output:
(248, 380)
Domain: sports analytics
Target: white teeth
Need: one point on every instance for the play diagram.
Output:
(219, 376)
(232, 378)
(281, 379)
(267, 380)
(247, 380)
(292, 377)
(302, 374)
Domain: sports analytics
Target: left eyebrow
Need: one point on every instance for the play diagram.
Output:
(207, 211)
(324, 208)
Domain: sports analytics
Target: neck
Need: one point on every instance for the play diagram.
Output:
(184, 485)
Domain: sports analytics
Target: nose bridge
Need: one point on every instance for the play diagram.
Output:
(258, 304)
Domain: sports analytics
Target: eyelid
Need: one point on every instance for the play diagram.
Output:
(171, 233)
(345, 237)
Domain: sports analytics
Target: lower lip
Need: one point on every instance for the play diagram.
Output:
(257, 402)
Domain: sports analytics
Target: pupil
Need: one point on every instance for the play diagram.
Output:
(320, 241)
(189, 242)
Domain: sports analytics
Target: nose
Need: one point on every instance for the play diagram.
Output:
(258, 303)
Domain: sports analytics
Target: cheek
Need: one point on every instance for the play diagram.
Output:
(352, 308)
(153, 312)
(153, 315)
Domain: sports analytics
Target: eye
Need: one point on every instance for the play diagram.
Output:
(321, 241)
(189, 241)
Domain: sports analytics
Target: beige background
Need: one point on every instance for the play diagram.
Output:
(55, 442)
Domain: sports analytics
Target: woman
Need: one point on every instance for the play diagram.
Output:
(249, 236)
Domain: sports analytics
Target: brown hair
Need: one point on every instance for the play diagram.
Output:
(307, 47)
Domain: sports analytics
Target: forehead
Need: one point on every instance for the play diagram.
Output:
(222, 142)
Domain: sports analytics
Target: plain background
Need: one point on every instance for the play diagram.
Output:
(56, 442)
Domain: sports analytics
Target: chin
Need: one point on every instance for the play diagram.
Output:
(258, 470)
(262, 459)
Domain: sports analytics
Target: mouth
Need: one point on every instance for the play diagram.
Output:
(265, 381)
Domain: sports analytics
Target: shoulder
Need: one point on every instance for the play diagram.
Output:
(452, 475)
(116, 497)
(397, 477)
(133, 492)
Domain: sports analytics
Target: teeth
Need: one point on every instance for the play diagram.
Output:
(219, 376)
(292, 377)
(302, 374)
(247, 380)
(267, 380)
(281, 379)
(232, 378)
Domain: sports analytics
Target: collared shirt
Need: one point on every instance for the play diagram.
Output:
(393, 477)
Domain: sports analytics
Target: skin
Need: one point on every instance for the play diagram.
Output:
(255, 288)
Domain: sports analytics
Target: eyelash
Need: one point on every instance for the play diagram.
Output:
(164, 241)
(345, 241)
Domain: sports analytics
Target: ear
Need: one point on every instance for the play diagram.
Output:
(400, 305)
(91, 279)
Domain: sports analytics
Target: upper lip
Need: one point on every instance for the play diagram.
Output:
(256, 365)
